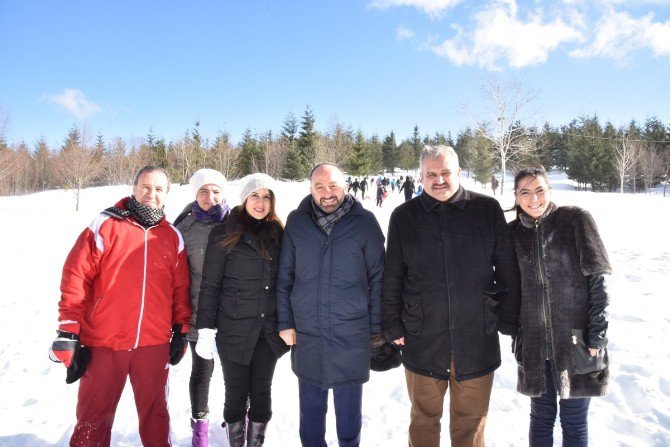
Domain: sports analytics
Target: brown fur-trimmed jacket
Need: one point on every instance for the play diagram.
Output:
(561, 259)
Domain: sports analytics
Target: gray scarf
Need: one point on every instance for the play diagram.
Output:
(326, 221)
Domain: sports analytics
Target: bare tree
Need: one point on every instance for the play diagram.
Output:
(340, 145)
(180, 158)
(274, 155)
(626, 153)
(651, 166)
(7, 161)
(508, 114)
(222, 156)
(77, 163)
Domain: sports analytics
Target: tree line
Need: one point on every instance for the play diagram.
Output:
(599, 156)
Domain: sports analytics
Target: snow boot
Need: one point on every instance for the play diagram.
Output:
(256, 433)
(200, 429)
(237, 433)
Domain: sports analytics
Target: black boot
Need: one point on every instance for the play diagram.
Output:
(256, 434)
(236, 432)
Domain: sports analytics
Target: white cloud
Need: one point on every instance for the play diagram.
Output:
(402, 33)
(434, 8)
(500, 35)
(617, 35)
(75, 102)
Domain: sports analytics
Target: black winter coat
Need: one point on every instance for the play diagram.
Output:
(451, 281)
(237, 294)
(562, 260)
(329, 290)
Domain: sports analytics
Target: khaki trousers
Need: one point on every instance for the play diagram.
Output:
(468, 407)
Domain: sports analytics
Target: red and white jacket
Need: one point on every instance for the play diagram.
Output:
(124, 285)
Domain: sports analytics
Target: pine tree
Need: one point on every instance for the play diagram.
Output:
(417, 147)
(390, 153)
(294, 165)
(307, 139)
(248, 160)
(157, 150)
(359, 163)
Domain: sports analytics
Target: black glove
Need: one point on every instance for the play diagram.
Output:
(66, 349)
(376, 340)
(177, 345)
(384, 357)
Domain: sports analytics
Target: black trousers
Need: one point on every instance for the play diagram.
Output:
(198, 384)
(252, 383)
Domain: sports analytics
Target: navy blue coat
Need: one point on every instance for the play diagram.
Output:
(329, 290)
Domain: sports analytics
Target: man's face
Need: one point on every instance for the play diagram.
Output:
(441, 177)
(327, 188)
(151, 189)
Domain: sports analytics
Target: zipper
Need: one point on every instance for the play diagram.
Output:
(544, 293)
(144, 282)
(451, 299)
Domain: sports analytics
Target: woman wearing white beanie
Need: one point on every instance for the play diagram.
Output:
(238, 307)
(195, 223)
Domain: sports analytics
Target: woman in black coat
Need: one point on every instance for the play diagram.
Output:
(561, 346)
(237, 305)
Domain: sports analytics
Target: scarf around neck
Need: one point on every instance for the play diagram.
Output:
(326, 221)
(144, 215)
(530, 222)
(215, 214)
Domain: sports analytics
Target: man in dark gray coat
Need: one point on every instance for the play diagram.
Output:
(329, 303)
(451, 281)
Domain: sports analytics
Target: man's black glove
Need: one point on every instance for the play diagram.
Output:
(376, 340)
(66, 349)
(177, 345)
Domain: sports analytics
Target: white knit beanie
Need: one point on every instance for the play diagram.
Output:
(253, 182)
(207, 177)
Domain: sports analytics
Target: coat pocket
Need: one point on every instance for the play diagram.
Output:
(491, 312)
(229, 304)
(412, 314)
(582, 362)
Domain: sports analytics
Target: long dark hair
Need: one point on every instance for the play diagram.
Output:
(530, 171)
(268, 233)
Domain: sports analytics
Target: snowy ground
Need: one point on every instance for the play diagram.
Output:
(37, 407)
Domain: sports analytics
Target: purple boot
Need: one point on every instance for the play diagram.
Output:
(200, 428)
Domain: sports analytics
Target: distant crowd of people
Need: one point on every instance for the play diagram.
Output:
(137, 292)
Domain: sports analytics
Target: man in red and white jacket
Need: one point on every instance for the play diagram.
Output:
(124, 310)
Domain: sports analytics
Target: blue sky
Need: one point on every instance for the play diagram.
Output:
(121, 67)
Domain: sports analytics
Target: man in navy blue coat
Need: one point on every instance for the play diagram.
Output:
(329, 303)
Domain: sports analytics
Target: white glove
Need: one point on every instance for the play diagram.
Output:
(206, 343)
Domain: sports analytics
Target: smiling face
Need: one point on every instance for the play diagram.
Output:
(151, 189)
(259, 203)
(440, 177)
(327, 187)
(533, 195)
(208, 196)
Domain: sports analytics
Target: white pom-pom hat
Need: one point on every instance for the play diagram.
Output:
(253, 182)
(204, 177)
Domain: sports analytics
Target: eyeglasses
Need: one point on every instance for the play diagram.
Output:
(538, 192)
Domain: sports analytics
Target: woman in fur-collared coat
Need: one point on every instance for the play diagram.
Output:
(561, 346)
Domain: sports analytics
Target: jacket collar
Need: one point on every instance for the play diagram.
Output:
(531, 222)
(458, 199)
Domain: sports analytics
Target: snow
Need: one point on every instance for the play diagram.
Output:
(37, 408)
